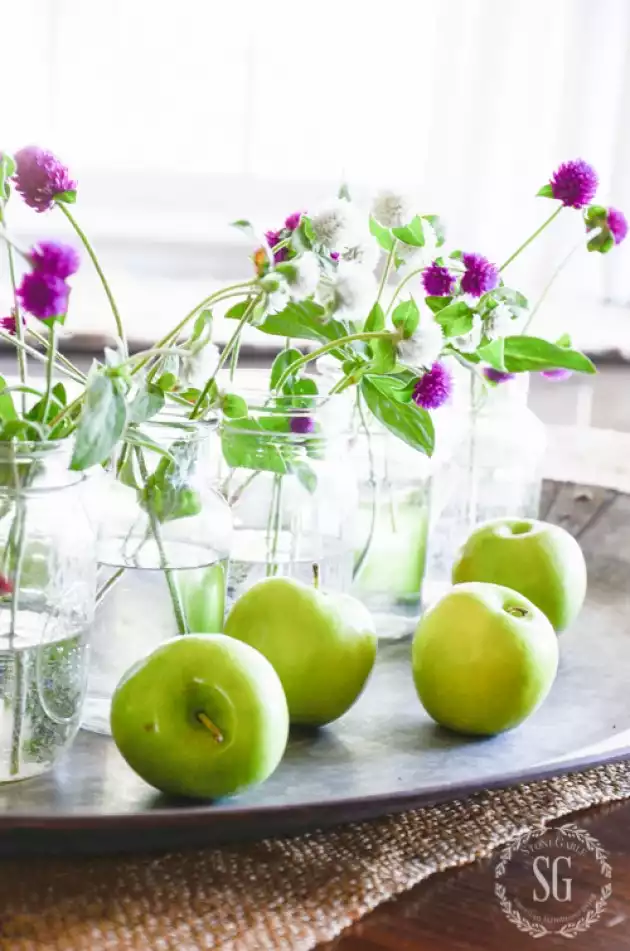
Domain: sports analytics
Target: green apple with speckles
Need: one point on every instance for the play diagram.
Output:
(483, 658)
(322, 646)
(541, 561)
(203, 716)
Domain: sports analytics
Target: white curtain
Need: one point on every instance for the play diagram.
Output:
(179, 117)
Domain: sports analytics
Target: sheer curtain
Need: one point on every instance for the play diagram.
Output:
(177, 118)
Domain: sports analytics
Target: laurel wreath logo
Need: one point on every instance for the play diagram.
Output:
(569, 929)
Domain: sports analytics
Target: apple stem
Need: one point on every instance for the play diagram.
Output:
(205, 720)
(315, 575)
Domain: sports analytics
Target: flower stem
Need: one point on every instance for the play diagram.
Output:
(90, 250)
(386, 270)
(59, 356)
(52, 346)
(19, 328)
(232, 342)
(333, 345)
(550, 284)
(360, 561)
(404, 281)
(532, 237)
(111, 581)
(38, 356)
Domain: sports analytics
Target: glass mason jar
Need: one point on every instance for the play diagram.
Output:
(163, 552)
(495, 471)
(47, 594)
(287, 478)
(394, 506)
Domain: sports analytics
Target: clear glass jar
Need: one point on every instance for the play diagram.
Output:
(495, 471)
(292, 492)
(163, 553)
(47, 594)
(394, 505)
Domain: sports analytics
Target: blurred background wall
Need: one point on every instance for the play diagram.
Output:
(177, 118)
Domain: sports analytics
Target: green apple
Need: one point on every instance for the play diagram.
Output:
(203, 716)
(483, 658)
(322, 646)
(539, 560)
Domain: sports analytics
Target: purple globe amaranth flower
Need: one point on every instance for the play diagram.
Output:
(43, 295)
(273, 238)
(433, 388)
(293, 221)
(560, 373)
(51, 257)
(438, 281)
(497, 376)
(574, 183)
(617, 224)
(9, 323)
(302, 425)
(480, 275)
(40, 177)
(334, 255)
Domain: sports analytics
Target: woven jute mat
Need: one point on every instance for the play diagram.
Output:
(274, 894)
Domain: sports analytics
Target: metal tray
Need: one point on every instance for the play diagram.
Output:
(385, 755)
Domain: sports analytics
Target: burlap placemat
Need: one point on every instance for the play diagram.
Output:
(275, 894)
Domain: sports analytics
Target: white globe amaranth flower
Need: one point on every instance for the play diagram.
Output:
(338, 225)
(307, 276)
(197, 368)
(279, 297)
(365, 252)
(469, 342)
(355, 288)
(424, 347)
(392, 209)
(500, 323)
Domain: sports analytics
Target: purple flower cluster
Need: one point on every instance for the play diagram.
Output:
(9, 323)
(44, 292)
(497, 376)
(40, 177)
(617, 224)
(273, 237)
(558, 374)
(480, 275)
(434, 388)
(302, 425)
(574, 183)
(438, 281)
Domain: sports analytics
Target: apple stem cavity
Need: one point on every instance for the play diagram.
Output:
(316, 575)
(516, 611)
(212, 728)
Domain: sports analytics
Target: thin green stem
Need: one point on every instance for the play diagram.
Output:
(402, 284)
(58, 356)
(19, 327)
(532, 237)
(333, 345)
(234, 290)
(49, 370)
(178, 608)
(38, 356)
(19, 672)
(111, 581)
(66, 411)
(234, 359)
(90, 250)
(224, 355)
(550, 284)
(358, 565)
(386, 270)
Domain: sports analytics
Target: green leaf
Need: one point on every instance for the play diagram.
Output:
(237, 311)
(59, 392)
(412, 234)
(533, 353)
(304, 320)
(344, 192)
(303, 388)
(545, 191)
(202, 324)
(7, 409)
(7, 169)
(407, 421)
(436, 304)
(563, 341)
(438, 226)
(306, 476)
(494, 353)
(510, 296)
(382, 235)
(603, 242)
(68, 198)
(102, 421)
(166, 493)
(148, 401)
(455, 320)
(406, 316)
(283, 361)
(166, 382)
(375, 320)
(398, 388)
(383, 355)
(246, 444)
(234, 406)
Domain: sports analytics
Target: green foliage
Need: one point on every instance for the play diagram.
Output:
(233, 406)
(102, 421)
(533, 353)
(382, 235)
(305, 320)
(406, 420)
(411, 234)
(165, 495)
(383, 354)
(406, 317)
(455, 319)
(247, 444)
(7, 169)
(545, 191)
(148, 401)
(493, 353)
(375, 320)
(436, 304)
(438, 226)
(284, 360)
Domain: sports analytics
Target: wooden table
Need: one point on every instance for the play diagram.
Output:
(457, 910)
